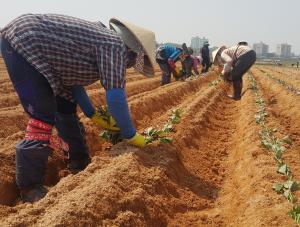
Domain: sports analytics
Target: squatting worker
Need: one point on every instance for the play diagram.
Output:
(49, 59)
(166, 57)
(237, 61)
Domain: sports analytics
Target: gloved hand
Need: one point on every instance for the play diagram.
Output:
(171, 63)
(177, 70)
(106, 122)
(138, 140)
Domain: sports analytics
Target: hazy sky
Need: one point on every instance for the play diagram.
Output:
(221, 21)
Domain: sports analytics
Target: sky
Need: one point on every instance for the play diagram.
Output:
(221, 21)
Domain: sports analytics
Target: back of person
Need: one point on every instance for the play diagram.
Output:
(236, 51)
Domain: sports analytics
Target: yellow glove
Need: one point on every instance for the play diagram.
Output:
(138, 140)
(106, 123)
(177, 70)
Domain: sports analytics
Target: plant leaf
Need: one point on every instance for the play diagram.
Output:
(283, 169)
(166, 139)
(278, 188)
(287, 140)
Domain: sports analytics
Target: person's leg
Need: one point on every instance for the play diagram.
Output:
(188, 64)
(166, 73)
(72, 131)
(242, 65)
(206, 66)
(38, 101)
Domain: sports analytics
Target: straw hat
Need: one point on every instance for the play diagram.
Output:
(134, 37)
(216, 52)
(243, 42)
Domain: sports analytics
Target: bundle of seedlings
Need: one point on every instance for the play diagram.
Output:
(151, 134)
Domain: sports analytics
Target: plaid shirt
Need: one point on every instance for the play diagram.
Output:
(69, 51)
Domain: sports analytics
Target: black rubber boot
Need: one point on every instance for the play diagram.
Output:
(34, 194)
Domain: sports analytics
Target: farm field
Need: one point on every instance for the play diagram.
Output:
(216, 172)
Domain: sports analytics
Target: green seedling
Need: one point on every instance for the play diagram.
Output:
(153, 134)
(291, 185)
(112, 137)
(287, 140)
(290, 197)
(295, 214)
(284, 169)
(279, 188)
(176, 116)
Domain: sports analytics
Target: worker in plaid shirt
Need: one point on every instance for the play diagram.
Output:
(49, 59)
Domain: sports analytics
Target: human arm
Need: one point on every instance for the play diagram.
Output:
(118, 107)
(111, 62)
(228, 62)
(81, 97)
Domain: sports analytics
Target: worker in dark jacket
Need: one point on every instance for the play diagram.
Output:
(49, 59)
(166, 57)
(205, 57)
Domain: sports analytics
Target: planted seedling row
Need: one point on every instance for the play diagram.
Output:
(286, 85)
(216, 81)
(278, 147)
(152, 133)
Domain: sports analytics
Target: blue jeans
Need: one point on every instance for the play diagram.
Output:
(38, 100)
(166, 73)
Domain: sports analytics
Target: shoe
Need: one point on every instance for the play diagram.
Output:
(75, 166)
(237, 90)
(33, 195)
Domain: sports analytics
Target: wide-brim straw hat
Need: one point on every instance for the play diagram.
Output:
(216, 52)
(134, 37)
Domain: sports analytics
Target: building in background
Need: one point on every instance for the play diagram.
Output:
(261, 49)
(197, 43)
(283, 50)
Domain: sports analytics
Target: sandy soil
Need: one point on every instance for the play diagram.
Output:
(215, 173)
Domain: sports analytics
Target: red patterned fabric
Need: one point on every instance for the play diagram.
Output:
(38, 130)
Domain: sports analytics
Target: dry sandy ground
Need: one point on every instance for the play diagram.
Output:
(215, 173)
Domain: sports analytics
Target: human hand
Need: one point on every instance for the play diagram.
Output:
(138, 140)
(105, 121)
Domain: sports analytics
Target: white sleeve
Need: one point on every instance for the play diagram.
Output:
(226, 58)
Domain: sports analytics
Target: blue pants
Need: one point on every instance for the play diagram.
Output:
(166, 73)
(38, 100)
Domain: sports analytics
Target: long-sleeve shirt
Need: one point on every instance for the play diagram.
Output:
(230, 55)
(205, 54)
(168, 52)
(69, 51)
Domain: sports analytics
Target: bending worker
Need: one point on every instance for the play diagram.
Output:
(189, 62)
(49, 59)
(237, 61)
(166, 57)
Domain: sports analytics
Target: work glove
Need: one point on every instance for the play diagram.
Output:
(105, 120)
(177, 70)
(138, 140)
(171, 63)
